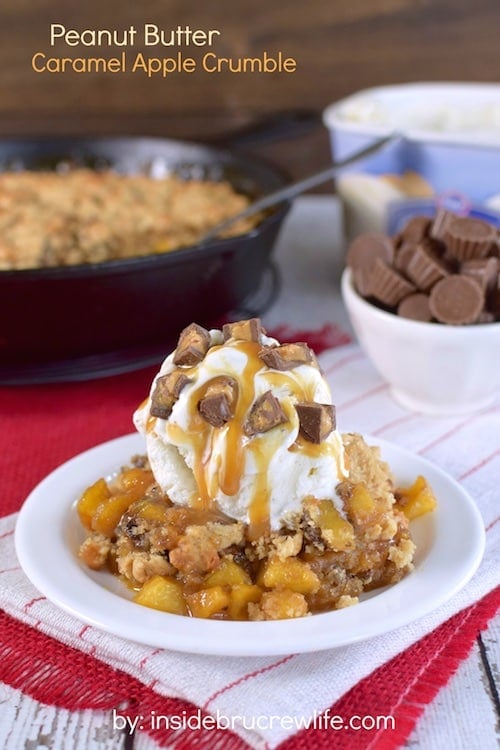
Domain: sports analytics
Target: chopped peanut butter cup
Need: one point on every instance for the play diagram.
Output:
(166, 393)
(286, 356)
(316, 421)
(266, 413)
(243, 330)
(193, 344)
(218, 404)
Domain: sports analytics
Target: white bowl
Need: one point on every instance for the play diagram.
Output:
(431, 368)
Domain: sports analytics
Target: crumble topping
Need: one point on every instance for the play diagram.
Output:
(318, 561)
(86, 216)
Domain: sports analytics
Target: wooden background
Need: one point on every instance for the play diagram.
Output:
(340, 46)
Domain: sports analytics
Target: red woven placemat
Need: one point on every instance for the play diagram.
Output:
(62, 676)
(43, 426)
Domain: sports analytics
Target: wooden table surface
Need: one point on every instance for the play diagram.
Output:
(340, 47)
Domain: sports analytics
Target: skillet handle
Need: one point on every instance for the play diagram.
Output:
(275, 126)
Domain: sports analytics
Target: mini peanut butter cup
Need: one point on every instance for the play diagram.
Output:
(424, 254)
(416, 307)
(362, 278)
(404, 256)
(365, 249)
(424, 269)
(416, 229)
(468, 238)
(440, 224)
(456, 300)
(388, 286)
(484, 270)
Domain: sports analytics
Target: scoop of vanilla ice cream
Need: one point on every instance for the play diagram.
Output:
(257, 477)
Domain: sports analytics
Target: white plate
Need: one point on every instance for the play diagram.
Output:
(450, 544)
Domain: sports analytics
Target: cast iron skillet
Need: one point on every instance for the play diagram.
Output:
(85, 321)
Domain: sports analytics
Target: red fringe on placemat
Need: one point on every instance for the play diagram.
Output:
(404, 686)
(59, 675)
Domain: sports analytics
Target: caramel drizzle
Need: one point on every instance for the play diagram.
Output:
(303, 392)
(150, 421)
(233, 462)
(306, 392)
(259, 511)
(206, 441)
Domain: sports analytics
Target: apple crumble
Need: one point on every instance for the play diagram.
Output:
(86, 216)
(249, 504)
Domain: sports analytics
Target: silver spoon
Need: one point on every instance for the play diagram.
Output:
(302, 186)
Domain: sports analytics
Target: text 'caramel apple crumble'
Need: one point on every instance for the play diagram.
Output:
(249, 505)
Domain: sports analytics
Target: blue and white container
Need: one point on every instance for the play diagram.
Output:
(451, 145)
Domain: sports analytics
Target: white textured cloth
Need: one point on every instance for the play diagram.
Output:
(468, 448)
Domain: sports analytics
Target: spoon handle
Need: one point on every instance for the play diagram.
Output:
(302, 186)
